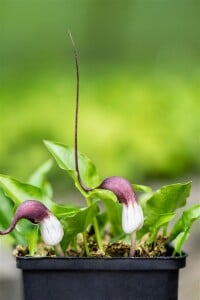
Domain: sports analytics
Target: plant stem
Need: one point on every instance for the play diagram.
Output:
(96, 227)
(174, 253)
(133, 244)
(88, 201)
(59, 250)
(97, 234)
(87, 251)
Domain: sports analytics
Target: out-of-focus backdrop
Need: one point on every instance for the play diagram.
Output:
(139, 90)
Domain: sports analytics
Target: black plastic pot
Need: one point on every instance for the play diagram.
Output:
(101, 278)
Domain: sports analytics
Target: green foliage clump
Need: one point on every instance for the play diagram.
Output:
(159, 207)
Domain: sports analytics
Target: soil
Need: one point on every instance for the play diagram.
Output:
(118, 249)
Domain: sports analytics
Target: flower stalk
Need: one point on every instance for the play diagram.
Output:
(133, 244)
(59, 250)
(96, 228)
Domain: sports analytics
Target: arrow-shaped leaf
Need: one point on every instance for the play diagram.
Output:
(38, 178)
(18, 191)
(79, 222)
(164, 201)
(181, 230)
(64, 157)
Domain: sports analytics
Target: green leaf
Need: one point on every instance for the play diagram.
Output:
(162, 220)
(112, 208)
(19, 191)
(102, 194)
(62, 211)
(114, 215)
(6, 216)
(32, 237)
(64, 157)
(141, 188)
(30, 234)
(169, 197)
(79, 222)
(38, 178)
(164, 201)
(102, 220)
(181, 230)
(6, 209)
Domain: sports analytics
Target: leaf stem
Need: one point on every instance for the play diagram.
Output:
(97, 234)
(96, 227)
(174, 253)
(87, 251)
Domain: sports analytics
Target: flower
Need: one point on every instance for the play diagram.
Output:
(132, 215)
(51, 230)
(37, 213)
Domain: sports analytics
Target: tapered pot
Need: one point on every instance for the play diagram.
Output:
(101, 278)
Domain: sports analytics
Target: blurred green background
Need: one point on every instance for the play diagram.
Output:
(139, 88)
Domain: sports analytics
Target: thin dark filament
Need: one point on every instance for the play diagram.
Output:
(76, 116)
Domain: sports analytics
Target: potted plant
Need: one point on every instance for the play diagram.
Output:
(118, 246)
